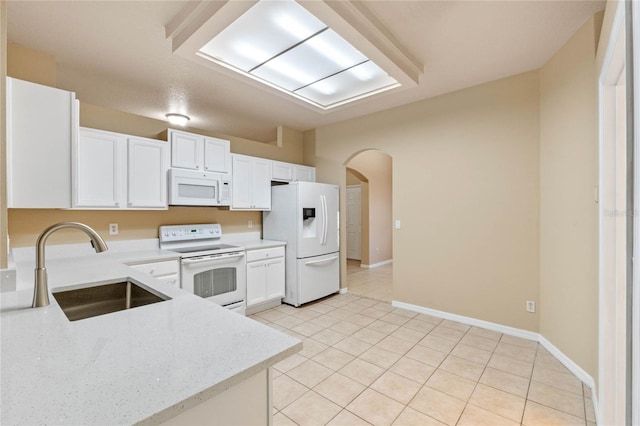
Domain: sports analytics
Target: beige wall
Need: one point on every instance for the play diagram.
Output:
(31, 65)
(24, 225)
(568, 212)
(376, 167)
(466, 189)
(352, 179)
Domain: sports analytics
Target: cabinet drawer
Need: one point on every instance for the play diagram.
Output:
(253, 255)
(155, 269)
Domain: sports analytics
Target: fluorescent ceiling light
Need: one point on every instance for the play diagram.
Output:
(177, 119)
(281, 44)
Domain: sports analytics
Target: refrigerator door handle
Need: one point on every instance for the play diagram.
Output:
(320, 262)
(325, 222)
(322, 211)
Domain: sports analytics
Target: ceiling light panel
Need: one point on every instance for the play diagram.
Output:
(310, 62)
(363, 80)
(280, 43)
(261, 33)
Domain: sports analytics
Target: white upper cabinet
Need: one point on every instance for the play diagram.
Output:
(197, 152)
(116, 171)
(289, 172)
(217, 155)
(148, 161)
(251, 189)
(281, 172)
(100, 162)
(304, 173)
(186, 150)
(42, 125)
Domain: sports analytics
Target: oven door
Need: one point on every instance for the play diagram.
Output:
(220, 278)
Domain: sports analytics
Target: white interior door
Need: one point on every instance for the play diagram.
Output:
(354, 238)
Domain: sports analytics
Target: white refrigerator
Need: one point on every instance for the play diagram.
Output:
(305, 215)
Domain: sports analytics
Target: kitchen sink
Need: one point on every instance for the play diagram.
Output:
(105, 298)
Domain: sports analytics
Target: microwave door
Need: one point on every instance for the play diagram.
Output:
(190, 191)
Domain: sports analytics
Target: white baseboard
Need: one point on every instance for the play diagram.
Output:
(512, 331)
(375, 265)
(344, 290)
(567, 362)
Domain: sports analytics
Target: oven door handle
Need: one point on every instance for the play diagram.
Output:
(210, 259)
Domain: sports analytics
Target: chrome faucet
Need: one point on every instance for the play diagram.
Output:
(41, 290)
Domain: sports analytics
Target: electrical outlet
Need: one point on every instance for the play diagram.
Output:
(397, 224)
(249, 223)
(113, 229)
(531, 306)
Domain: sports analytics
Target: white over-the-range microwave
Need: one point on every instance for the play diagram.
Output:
(196, 188)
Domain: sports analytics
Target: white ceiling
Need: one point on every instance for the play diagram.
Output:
(116, 54)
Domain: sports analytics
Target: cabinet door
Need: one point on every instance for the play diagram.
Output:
(147, 173)
(261, 184)
(216, 155)
(241, 182)
(281, 172)
(304, 174)
(186, 150)
(41, 126)
(99, 170)
(256, 283)
(275, 278)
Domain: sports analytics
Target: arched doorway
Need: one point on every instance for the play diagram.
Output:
(369, 248)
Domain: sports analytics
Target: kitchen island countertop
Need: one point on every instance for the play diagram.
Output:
(143, 365)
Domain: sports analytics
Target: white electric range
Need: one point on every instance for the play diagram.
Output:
(209, 268)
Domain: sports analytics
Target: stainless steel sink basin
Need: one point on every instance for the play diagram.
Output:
(106, 298)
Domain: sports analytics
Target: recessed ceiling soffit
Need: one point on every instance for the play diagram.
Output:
(376, 51)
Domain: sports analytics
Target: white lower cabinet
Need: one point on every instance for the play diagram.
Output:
(116, 171)
(164, 270)
(265, 278)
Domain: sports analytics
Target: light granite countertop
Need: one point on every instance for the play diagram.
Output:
(261, 244)
(143, 365)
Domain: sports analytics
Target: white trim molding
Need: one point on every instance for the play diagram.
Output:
(375, 265)
(512, 331)
(344, 290)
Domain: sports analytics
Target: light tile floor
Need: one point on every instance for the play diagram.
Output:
(375, 283)
(364, 362)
